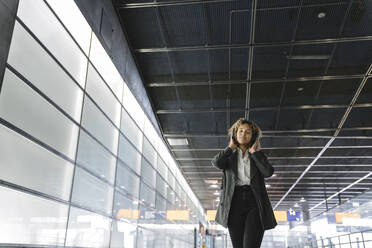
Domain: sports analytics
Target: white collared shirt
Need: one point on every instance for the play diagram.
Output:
(244, 168)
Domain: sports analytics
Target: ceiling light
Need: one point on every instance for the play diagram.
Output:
(302, 199)
(214, 186)
(274, 175)
(300, 88)
(321, 15)
(268, 185)
(208, 181)
(177, 141)
(307, 57)
(216, 193)
(296, 205)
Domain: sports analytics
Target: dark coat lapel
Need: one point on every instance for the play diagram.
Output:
(253, 167)
(234, 162)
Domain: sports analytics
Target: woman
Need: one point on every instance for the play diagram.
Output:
(244, 206)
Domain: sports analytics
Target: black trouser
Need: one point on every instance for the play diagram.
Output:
(244, 219)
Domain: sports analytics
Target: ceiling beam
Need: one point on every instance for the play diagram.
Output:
(206, 135)
(256, 45)
(271, 148)
(168, 3)
(261, 81)
(188, 2)
(224, 110)
(291, 157)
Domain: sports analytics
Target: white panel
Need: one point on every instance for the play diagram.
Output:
(95, 158)
(70, 15)
(91, 192)
(27, 219)
(147, 195)
(98, 90)
(131, 130)
(25, 163)
(150, 133)
(127, 180)
(46, 74)
(42, 22)
(99, 126)
(105, 67)
(148, 174)
(86, 229)
(24, 108)
(129, 154)
(132, 107)
(149, 152)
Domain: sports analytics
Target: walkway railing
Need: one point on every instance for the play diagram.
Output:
(361, 239)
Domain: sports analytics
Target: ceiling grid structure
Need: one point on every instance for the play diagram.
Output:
(299, 68)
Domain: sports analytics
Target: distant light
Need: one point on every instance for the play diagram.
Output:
(274, 175)
(214, 186)
(300, 88)
(321, 15)
(296, 205)
(177, 141)
(216, 193)
(268, 185)
(302, 199)
(211, 181)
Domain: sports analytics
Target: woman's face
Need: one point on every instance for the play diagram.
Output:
(244, 134)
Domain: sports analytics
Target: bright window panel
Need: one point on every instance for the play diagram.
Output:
(129, 155)
(161, 186)
(125, 208)
(105, 67)
(148, 173)
(147, 195)
(42, 22)
(27, 164)
(171, 180)
(99, 126)
(150, 133)
(134, 109)
(127, 180)
(27, 219)
(149, 152)
(46, 74)
(97, 89)
(162, 168)
(91, 192)
(95, 158)
(87, 229)
(131, 130)
(23, 107)
(161, 204)
(72, 18)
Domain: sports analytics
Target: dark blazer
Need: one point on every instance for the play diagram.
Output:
(227, 160)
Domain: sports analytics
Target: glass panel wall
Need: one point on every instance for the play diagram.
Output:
(81, 164)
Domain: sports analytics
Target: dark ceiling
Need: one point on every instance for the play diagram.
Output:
(299, 68)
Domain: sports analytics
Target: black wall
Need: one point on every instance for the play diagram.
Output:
(102, 17)
(8, 10)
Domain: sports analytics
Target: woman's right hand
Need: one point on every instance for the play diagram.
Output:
(232, 143)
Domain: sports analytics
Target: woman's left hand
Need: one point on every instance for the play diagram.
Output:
(255, 147)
